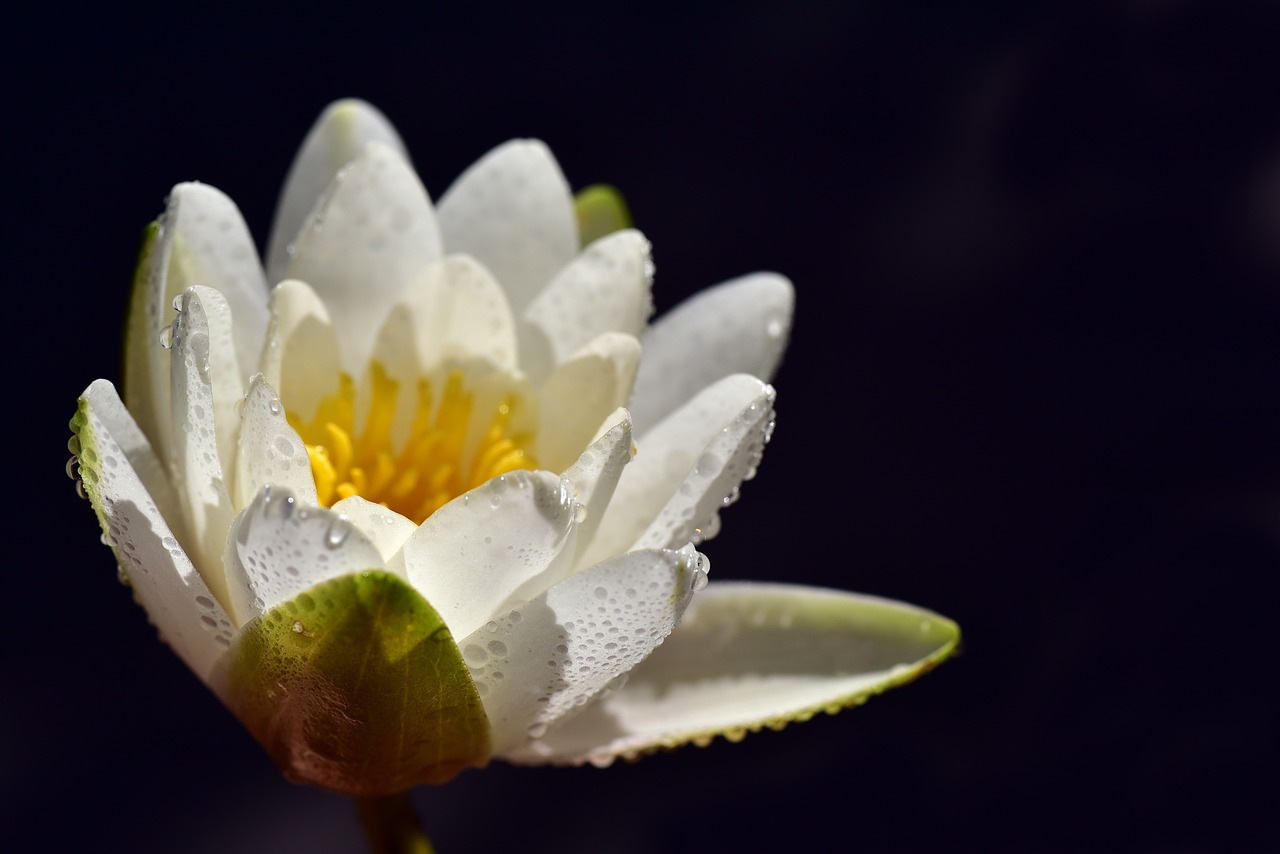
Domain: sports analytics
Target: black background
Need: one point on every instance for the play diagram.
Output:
(1031, 385)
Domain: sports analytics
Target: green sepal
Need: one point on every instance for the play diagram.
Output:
(601, 210)
(141, 335)
(357, 686)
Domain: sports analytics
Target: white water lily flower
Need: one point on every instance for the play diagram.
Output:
(409, 498)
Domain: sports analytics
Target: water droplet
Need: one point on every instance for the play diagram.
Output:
(106, 539)
(537, 729)
(166, 337)
(73, 466)
(601, 593)
(474, 655)
(495, 502)
(179, 302)
(579, 513)
(699, 581)
(339, 530)
(298, 628)
(498, 648)
(274, 405)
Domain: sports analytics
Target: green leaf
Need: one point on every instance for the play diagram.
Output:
(601, 210)
(357, 686)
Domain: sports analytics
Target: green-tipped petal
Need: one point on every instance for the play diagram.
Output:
(357, 686)
(601, 210)
(749, 656)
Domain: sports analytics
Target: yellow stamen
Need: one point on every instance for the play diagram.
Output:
(428, 469)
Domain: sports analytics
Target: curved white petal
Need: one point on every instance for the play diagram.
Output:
(386, 529)
(739, 326)
(166, 583)
(594, 476)
(270, 450)
(500, 543)
(372, 233)
(300, 357)
(454, 312)
(338, 136)
(212, 247)
(669, 458)
(197, 372)
(604, 289)
(513, 211)
(115, 421)
(548, 657)
(732, 455)
(207, 333)
(278, 548)
(747, 656)
(580, 393)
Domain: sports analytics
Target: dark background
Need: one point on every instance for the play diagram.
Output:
(1032, 385)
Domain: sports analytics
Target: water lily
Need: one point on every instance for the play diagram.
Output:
(409, 498)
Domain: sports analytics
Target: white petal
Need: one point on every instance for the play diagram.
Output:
(740, 326)
(337, 137)
(196, 462)
(207, 314)
(546, 659)
(270, 451)
(111, 416)
(371, 235)
(580, 393)
(513, 211)
(164, 580)
(604, 289)
(212, 247)
(386, 529)
(748, 656)
(454, 312)
(668, 458)
(300, 357)
(732, 455)
(498, 544)
(594, 476)
(278, 548)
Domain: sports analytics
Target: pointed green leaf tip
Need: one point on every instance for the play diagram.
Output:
(358, 687)
(601, 210)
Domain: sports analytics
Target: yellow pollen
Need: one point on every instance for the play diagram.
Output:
(428, 469)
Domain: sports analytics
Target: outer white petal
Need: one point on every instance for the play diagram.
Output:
(212, 246)
(300, 358)
(117, 465)
(580, 393)
(706, 435)
(198, 369)
(278, 548)
(594, 476)
(513, 211)
(740, 326)
(337, 137)
(270, 451)
(732, 455)
(548, 657)
(370, 236)
(604, 289)
(386, 529)
(500, 543)
(748, 656)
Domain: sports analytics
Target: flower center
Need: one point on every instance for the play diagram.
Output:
(431, 466)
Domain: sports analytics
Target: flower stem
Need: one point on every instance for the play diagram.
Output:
(390, 825)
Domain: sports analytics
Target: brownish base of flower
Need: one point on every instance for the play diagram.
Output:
(391, 826)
